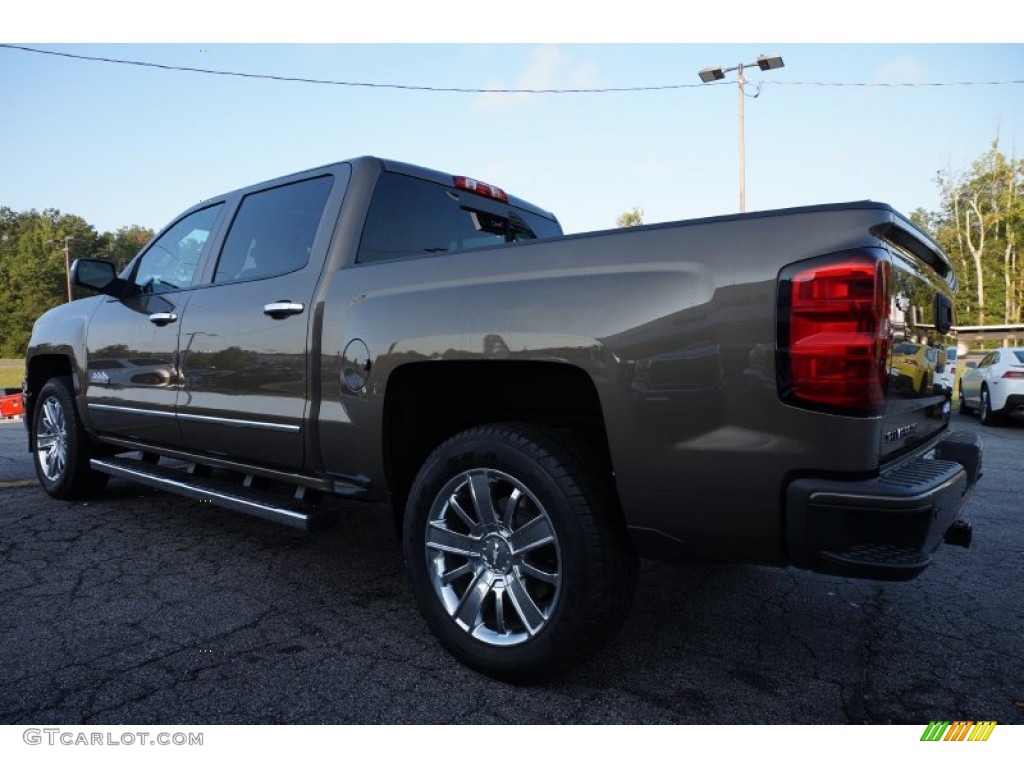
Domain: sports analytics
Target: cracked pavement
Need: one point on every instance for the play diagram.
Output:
(140, 607)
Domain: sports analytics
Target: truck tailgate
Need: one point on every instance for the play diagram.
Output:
(921, 300)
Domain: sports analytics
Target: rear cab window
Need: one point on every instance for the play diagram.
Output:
(273, 231)
(410, 217)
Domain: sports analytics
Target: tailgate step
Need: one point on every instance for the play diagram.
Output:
(184, 481)
(879, 559)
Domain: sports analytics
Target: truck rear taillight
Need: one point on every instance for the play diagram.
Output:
(833, 336)
(480, 188)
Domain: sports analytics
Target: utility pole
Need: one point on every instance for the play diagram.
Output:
(67, 260)
(743, 152)
(711, 74)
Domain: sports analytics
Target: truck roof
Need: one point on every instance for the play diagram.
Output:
(393, 166)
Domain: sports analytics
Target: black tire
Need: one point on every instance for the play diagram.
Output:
(965, 409)
(61, 447)
(988, 418)
(527, 568)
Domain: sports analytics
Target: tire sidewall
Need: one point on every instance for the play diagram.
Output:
(986, 413)
(558, 637)
(73, 480)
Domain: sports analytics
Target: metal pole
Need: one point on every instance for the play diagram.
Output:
(67, 264)
(743, 175)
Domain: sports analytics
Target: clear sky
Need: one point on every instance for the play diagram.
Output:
(119, 144)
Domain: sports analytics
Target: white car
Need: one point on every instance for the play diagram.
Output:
(945, 377)
(996, 387)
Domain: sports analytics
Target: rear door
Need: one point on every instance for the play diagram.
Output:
(245, 335)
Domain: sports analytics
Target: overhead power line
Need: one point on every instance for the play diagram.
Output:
(348, 83)
(444, 89)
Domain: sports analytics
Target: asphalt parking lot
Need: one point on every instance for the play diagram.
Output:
(141, 608)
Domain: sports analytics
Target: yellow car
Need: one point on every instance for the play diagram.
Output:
(912, 368)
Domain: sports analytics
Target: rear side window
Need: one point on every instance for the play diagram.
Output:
(414, 217)
(273, 232)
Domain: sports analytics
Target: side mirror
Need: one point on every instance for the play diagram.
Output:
(99, 275)
(970, 364)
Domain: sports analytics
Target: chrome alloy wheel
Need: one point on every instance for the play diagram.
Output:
(52, 439)
(493, 557)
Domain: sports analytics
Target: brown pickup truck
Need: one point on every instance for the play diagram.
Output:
(538, 410)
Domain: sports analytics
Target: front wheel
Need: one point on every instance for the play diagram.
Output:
(61, 447)
(516, 553)
(965, 409)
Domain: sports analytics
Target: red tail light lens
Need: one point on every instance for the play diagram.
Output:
(480, 188)
(1014, 375)
(834, 333)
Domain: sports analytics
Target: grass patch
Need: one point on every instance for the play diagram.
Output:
(11, 372)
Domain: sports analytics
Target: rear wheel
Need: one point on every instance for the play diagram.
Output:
(61, 447)
(515, 550)
(988, 418)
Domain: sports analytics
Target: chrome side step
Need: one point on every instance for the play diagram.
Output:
(240, 497)
(349, 486)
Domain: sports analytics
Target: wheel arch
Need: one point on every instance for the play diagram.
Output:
(39, 369)
(428, 402)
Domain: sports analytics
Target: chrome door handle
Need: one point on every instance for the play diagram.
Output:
(163, 318)
(283, 308)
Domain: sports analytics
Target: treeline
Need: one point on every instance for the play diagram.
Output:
(32, 264)
(981, 226)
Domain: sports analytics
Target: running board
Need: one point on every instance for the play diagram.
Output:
(242, 498)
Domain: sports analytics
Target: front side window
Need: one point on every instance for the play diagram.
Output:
(414, 217)
(273, 232)
(170, 263)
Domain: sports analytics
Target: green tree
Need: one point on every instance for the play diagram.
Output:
(632, 218)
(981, 227)
(121, 246)
(33, 277)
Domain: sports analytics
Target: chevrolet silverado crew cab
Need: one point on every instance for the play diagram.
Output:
(537, 410)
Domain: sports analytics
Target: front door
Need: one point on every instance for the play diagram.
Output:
(132, 371)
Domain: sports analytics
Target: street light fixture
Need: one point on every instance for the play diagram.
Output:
(711, 74)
